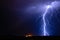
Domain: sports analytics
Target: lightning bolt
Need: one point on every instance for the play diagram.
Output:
(45, 33)
(37, 9)
(53, 4)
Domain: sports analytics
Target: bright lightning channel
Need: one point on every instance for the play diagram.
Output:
(45, 33)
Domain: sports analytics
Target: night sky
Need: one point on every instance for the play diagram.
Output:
(17, 22)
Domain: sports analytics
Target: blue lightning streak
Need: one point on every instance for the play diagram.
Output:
(45, 33)
(53, 5)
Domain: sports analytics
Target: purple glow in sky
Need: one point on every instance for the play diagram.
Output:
(41, 8)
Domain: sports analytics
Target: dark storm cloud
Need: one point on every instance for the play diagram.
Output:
(16, 22)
